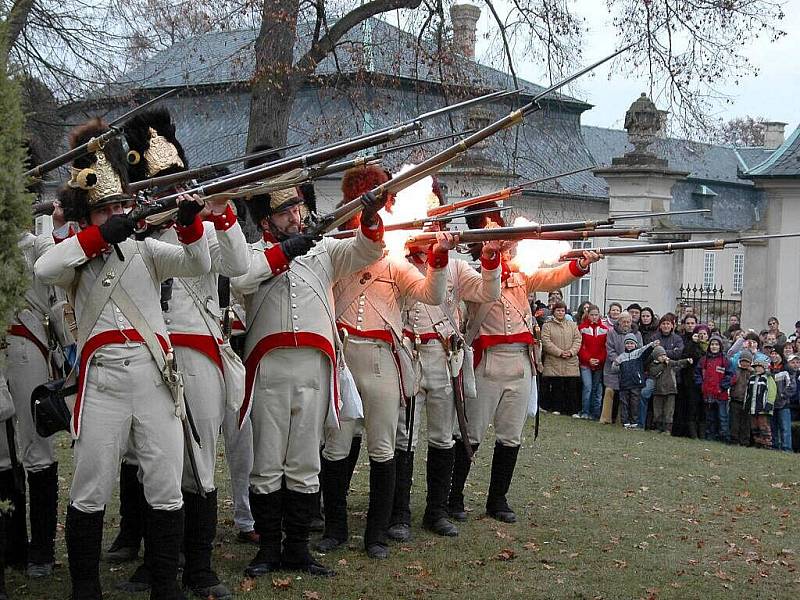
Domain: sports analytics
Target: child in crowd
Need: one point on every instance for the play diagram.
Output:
(739, 417)
(662, 371)
(761, 395)
(713, 375)
(630, 366)
(787, 395)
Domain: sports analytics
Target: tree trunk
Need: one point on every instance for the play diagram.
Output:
(273, 87)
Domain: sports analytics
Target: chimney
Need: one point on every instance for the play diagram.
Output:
(465, 27)
(773, 134)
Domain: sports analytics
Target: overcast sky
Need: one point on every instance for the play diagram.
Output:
(772, 94)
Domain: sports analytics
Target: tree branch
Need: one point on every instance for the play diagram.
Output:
(17, 19)
(317, 53)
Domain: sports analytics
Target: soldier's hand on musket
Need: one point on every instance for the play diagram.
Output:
(588, 258)
(445, 241)
(216, 206)
(116, 229)
(372, 204)
(189, 206)
(299, 244)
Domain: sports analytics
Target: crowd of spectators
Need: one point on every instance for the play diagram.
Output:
(670, 374)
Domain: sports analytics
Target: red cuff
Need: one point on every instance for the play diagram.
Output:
(91, 241)
(191, 233)
(490, 263)
(224, 221)
(576, 270)
(375, 231)
(276, 259)
(437, 260)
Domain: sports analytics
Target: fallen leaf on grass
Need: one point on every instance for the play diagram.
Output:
(228, 555)
(548, 567)
(342, 562)
(720, 574)
(532, 546)
(415, 566)
(506, 554)
(281, 584)
(308, 595)
(248, 584)
(780, 486)
(620, 564)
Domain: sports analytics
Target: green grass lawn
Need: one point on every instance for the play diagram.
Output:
(603, 513)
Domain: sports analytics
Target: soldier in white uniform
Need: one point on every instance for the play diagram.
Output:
(193, 318)
(126, 380)
(28, 355)
(368, 310)
(501, 335)
(291, 364)
(430, 329)
(7, 467)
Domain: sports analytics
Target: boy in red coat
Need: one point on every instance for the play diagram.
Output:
(592, 357)
(713, 375)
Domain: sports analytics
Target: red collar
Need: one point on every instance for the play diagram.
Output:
(269, 237)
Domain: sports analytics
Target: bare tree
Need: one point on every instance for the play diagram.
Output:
(741, 132)
(278, 75)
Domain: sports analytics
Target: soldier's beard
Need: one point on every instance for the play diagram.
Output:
(286, 232)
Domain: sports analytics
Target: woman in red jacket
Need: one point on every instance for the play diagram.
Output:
(592, 356)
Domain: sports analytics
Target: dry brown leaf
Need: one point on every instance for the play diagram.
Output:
(548, 567)
(309, 595)
(620, 564)
(342, 562)
(720, 574)
(506, 554)
(415, 566)
(248, 584)
(281, 584)
(532, 546)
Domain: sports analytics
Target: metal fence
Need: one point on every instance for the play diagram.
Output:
(708, 304)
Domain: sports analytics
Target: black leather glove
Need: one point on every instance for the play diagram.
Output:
(299, 244)
(187, 211)
(372, 204)
(117, 229)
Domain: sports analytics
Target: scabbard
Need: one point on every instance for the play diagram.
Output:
(187, 441)
(461, 413)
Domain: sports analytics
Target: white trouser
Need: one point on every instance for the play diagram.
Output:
(5, 455)
(375, 372)
(239, 455)
(204, 390)
(125, 396)
(339, 441)
(503, 380)
(26, 369)
(291, 396)
(436, 397)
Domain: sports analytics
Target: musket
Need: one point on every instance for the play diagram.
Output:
(95, 144)
(534, 231)
(417, 223)
(503, 194)
(327, 169)
(167, 181)
(319, 156)
(441, 159)
(718, 244)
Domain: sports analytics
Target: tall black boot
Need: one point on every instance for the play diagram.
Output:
(381, 497)
(297, 513)
(334, 478)
(164, 539)
(439, 476)
(352, 459)
(16, 522)
(199, 532)
(400, 521)
(267, 512)
(132, 507)
(461, 467)
(84, 536)
(503, 462)
(3, 595)
(43, 489)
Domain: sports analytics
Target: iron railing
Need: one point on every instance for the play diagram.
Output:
(708, 302)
